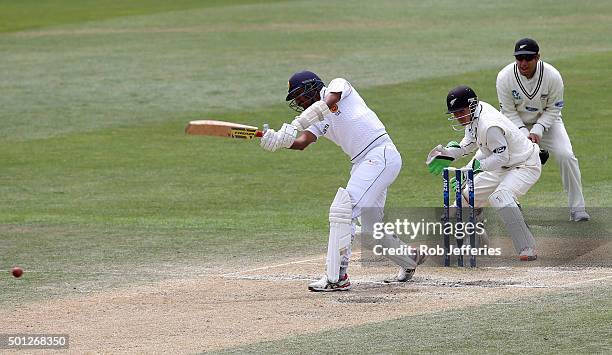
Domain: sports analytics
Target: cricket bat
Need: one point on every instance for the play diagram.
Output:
(223, 129)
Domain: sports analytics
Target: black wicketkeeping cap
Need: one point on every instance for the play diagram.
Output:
(526, 46)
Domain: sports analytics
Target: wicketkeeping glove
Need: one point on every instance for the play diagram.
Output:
(453, 145)
(441, 157)
(544, 155)
(453, 182)
(476, 166)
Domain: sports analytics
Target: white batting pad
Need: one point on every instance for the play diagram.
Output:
(340, 228)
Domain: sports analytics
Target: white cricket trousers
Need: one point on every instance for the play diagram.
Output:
(371, 176)
(558, 144)
(517, 180)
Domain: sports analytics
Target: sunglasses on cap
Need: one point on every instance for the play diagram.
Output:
(527, 57)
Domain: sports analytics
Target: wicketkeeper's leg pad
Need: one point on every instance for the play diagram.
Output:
(513, 219)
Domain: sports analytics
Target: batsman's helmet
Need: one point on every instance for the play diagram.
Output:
(306, 84)
(460, 98)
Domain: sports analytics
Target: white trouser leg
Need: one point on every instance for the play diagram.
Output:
(501, 189)
(558, 144)
(517, 181)
(484, 185)
(368, 185)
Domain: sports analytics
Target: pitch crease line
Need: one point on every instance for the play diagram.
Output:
(586, 281)
(277, 265)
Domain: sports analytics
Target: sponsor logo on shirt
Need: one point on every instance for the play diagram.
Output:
(530, 109)
(559, 103)
(325, 128)
(334, 109)
(516, 95)
(499, 150)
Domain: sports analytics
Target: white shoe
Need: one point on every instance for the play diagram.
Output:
(579, 216)
(405, 275)
(323, 285)
(528, 254)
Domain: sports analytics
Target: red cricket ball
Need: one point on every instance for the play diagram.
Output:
(17, 271)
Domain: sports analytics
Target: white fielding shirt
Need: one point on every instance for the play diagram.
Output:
(351, 124)
(537, 101)
(489, 123)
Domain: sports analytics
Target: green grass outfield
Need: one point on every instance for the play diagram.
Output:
(533, 325)
(97, 176)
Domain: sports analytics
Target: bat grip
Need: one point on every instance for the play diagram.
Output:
(261, 133)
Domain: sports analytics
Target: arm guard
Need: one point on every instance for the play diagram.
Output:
(315, 113)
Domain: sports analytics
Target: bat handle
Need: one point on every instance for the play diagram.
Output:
(261, 133)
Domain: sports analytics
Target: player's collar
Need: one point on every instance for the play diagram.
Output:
(476, 116)
(539, 75)
(477, 111)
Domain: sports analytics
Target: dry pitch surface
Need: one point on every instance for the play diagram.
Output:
(270, 302)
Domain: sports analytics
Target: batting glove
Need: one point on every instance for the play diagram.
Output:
(270, 141)
(287, 135)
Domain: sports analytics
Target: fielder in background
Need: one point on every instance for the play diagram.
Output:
(338, 113)
(530, 94)
(506, 165)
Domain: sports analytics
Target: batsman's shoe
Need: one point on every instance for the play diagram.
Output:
(323, 285)
(405, 275)
(528, 254)
(579, 216)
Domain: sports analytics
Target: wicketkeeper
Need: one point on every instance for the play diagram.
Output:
(338, 113)
(506, 165)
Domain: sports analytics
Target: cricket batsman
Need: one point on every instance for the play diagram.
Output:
(506, 165)
(338, 113)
